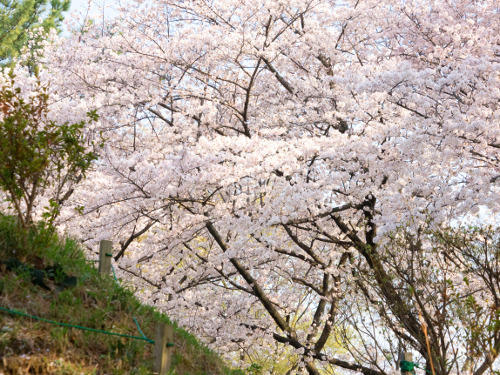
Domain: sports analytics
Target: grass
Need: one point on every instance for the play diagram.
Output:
(29, 346)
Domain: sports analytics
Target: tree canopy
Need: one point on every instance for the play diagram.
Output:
(19, 18)
(294, 175)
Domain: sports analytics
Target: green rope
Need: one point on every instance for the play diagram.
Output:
(138, 328)
(114, 273)
(133, 316)
(407, 366)
(75, 326)
(421, 368)
(87, 328)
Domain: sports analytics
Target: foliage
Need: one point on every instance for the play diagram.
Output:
(262, 154)
(20, 18)
(36, 153)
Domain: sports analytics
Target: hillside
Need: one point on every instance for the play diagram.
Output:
(51, 279)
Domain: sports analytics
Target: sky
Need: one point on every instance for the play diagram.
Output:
(82, 5)
(93, 8)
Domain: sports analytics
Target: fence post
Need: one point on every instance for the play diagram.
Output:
(105, 254)
(164, 337)
(408, 357)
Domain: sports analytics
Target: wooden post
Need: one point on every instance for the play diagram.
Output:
(164, 337)
(409, 358)
(105, 254)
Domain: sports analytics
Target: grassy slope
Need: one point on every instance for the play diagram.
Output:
(30, 346)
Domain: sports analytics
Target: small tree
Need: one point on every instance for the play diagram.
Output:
(38, 155)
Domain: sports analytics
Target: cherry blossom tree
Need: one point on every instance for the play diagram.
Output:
(285, 177)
